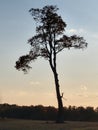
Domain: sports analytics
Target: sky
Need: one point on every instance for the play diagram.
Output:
(77, 69)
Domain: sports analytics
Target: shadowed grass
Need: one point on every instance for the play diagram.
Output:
(13, 124)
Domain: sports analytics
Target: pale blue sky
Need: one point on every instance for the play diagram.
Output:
(78, 69)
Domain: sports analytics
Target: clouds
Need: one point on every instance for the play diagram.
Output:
(83, 91)
(79, 69)
(82, 95)
(72, 30)
(35, 83)
(83, 32)
(83, 87)
(79, 31)
(95, 36)
(20, 97)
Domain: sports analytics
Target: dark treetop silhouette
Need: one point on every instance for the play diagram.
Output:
(47, 43)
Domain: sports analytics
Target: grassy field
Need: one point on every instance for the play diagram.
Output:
(11, 124)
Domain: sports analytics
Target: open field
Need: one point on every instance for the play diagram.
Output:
(13, 124)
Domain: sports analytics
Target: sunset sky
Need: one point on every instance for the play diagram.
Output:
(77, 69)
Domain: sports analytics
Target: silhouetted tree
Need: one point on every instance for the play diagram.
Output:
(47, 43)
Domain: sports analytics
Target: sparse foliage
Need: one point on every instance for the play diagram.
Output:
(48, 42)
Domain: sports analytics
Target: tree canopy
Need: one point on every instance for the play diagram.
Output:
(49, 39)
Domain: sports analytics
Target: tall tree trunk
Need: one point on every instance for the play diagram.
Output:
(52, 61)
(60, 116)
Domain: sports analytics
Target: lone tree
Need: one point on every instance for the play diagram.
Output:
(47, 43)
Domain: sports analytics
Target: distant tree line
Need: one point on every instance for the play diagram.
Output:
(39, 112)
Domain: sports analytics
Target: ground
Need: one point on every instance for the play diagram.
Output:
(13, 124)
